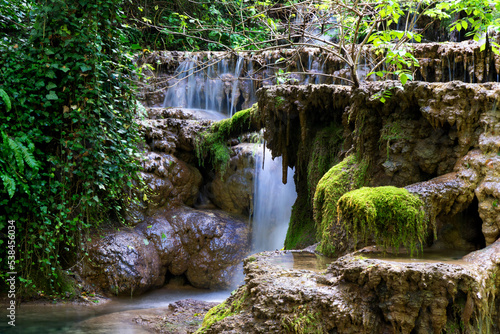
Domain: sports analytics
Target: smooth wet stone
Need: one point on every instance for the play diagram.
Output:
(233, 191)
(205, 246)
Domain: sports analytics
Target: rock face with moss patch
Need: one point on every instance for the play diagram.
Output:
(390, 216)
(340, 179)
(233, 190)
(362, 295)
(438, 140)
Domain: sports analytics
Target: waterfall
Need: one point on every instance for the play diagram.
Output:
(183, 87)
(235, 92)
(214, 88)
(273, 202)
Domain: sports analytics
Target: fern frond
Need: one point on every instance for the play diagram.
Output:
(9, 184)
(5, 141)
(6, 99)
(29, 158)
(15, 148)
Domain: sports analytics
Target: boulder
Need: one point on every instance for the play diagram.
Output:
(205, 246)
(233, 191)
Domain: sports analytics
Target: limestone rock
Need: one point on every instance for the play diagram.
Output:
(123, 263)
(206, 246)
(365, 295)
(233, 192)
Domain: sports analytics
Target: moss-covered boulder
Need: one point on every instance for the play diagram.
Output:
(211, 144)
(232, 306)
(390, 216)
(340, 179)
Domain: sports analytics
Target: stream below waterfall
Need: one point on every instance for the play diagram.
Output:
(111, 317)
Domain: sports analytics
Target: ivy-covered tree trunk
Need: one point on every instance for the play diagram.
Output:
(72, 116)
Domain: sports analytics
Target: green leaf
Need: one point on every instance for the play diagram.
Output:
(403, 78)
(50, 74)
(146, 242)
(6, 99)
(9, 184)
(163, 236)
(51, 96)
(135, 47)
(85, 68)
(51, 85)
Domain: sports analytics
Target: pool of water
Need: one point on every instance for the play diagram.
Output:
(112, 317)
(427, 256)
(301, 260)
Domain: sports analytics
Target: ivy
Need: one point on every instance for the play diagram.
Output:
(68, 132)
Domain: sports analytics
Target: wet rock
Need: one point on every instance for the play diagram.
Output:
(170, 180)
(205, 246)
(364, 295)
(122, 263)
(182, 317)
(214, 243)
(233, 192)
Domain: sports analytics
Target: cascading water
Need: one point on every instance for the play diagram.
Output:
(273, 202)
(235, 92)
(211, 87)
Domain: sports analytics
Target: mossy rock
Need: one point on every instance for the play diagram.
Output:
(391, 216)
(211, 145)
(340, 179)
(229, 307)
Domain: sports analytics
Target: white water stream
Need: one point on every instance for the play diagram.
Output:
(273, 202)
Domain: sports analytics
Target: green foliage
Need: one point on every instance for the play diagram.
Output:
(211, 144)
(480, 15)
(5, 99)
(69, 140)
(340, 179)
(230, 307)
(391, 131)
(14, 156)
(391, 216)
(303, 321)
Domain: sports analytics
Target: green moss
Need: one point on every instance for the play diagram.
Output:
(325, 147)
(319, 157)
(340, 179)
(231, 306)
(280, 100)
(302, 320)
(391, 216)
(301, 230)
(212, 145)
(240, 122)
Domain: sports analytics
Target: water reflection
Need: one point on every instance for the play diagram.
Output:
(301, 260)
(427, 256)
(112, 317)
